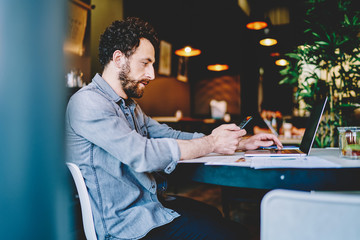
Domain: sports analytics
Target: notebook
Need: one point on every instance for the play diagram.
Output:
(306, 141)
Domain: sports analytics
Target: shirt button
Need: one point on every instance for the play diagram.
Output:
(153, 186)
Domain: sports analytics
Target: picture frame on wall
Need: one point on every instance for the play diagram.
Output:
(165, 58)
(77, 20)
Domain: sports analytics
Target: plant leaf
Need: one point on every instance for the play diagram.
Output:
(322, 43)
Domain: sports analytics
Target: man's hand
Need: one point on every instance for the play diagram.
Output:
(260, 140)
(226, 138)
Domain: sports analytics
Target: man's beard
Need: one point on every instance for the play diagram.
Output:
(130, 86)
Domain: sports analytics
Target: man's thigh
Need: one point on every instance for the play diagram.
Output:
(197, 221)
(188, 205)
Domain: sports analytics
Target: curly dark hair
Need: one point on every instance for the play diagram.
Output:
(125, 36)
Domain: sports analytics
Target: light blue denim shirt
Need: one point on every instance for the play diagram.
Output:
(117, 148)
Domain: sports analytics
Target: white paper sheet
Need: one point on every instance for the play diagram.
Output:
(291, 162)
(233, 160)
(239, 160)
(217, 159)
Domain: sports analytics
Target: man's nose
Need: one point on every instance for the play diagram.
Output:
(150, 73)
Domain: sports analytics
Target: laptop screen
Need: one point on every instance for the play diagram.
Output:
(313, 124)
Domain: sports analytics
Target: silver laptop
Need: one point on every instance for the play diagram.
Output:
(307, 139)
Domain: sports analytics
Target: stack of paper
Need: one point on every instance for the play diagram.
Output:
(238, 159)
(291, 162)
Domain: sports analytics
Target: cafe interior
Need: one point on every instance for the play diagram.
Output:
(185, 82)
(218, 62)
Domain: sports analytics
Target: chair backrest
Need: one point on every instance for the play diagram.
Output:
(86, 212)
(289, 214)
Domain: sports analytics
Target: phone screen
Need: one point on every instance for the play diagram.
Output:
(245, 121)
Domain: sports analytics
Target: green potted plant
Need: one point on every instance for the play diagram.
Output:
(328, 63)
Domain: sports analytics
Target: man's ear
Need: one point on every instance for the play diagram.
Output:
(119, 58)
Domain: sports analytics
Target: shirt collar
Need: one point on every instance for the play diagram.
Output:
(107, 89)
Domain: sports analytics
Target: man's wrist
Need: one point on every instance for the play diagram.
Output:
(210, 142)
(241, 145)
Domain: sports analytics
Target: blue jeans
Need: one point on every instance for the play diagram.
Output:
(198, 221)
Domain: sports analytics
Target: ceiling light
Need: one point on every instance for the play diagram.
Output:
(281, 62)
(268, 42)
(218, 67)
(274, 54)
(187, 52)
(256, 25)
(256, 20)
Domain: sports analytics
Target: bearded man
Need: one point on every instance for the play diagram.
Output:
(120, 150)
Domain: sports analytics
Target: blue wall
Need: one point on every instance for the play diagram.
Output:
(33, 185)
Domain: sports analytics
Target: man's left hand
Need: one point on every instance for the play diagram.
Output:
(260, 140)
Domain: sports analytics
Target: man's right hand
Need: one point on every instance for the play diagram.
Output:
(223, 139)
(226, 138)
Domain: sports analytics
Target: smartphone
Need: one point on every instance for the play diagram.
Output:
(245, 122)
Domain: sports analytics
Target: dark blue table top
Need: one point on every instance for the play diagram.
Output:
(346, 178)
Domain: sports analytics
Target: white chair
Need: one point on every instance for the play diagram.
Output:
(295, 215)
(87, 216)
